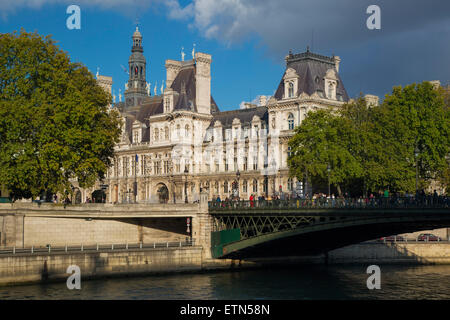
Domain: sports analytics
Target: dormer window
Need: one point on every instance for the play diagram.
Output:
(291, 89)
(331, 93)
(331, 82)
(135, 136)
(290, 83)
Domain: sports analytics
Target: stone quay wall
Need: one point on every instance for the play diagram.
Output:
(33, 268)
(392, 252)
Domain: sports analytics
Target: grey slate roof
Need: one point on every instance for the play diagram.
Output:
(244, 115)
(311, 69)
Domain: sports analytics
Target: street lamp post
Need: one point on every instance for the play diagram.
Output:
(186, 171)
(238, 175)
(329, 170)
(135, 178)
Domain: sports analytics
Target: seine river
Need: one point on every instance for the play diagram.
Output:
(304, 283)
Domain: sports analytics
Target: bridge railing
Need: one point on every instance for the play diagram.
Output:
(330, 203)
(102, 247)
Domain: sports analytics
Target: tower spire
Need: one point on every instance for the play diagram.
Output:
(137, 86)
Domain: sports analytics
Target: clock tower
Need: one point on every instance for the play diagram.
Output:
(136, 87)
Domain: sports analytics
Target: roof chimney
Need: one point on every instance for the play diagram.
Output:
(337, 61)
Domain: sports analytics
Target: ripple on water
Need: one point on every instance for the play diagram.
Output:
(306, 283)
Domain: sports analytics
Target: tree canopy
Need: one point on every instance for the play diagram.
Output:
(378, 147)
(55, 125)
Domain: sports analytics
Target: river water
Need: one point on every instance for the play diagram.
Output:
(303, 283)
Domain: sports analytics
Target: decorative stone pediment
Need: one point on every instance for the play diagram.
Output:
(315, 95)
(236, 121)
(256, 118)
(331, 74)
(290, 74)
(304, 95)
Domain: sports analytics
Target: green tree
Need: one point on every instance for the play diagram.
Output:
(323, 140)
(414, 118)
(54, 122)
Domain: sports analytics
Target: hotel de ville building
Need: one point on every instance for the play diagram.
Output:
(179, 143)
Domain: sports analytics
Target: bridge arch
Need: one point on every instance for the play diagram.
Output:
(314, 234)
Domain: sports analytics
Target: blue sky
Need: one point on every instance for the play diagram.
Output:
(248, 39)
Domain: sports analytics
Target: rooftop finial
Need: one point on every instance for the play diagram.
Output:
(307, 49)
(193, 52)
(182, 54)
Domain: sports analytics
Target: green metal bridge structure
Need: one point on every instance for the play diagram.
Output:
(252, 229)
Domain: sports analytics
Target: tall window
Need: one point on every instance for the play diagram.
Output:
(186, 131)
(166, 104)
(166, 133)
(244, 186)
(255, 163)
(136, 136)
(156, 134)
(225, 187)
(255, 185)
(290, 184)
(178, 130)
(291, 89)
(291, 121)
(245, 163)
(125, 166)
(289, 151)
(216, 187)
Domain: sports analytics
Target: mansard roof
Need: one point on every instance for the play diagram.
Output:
(311, 69)
(185, 85)
(150, 107)
(244, 115)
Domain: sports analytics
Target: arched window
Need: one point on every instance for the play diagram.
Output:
(255, 185)
(291, 89)
(291, 121)
(225, 187)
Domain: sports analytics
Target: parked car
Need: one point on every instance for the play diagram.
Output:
(392, 238)
(428, 237)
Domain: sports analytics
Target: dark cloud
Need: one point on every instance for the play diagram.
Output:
(412, 45)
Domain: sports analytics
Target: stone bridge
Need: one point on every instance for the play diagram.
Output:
(32, 224)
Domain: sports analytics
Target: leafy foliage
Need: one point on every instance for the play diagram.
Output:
(376, 146)
(54, 122)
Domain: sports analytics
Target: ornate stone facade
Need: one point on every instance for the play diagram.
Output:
(183, 144)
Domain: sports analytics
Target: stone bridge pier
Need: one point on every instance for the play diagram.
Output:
(202, 225)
